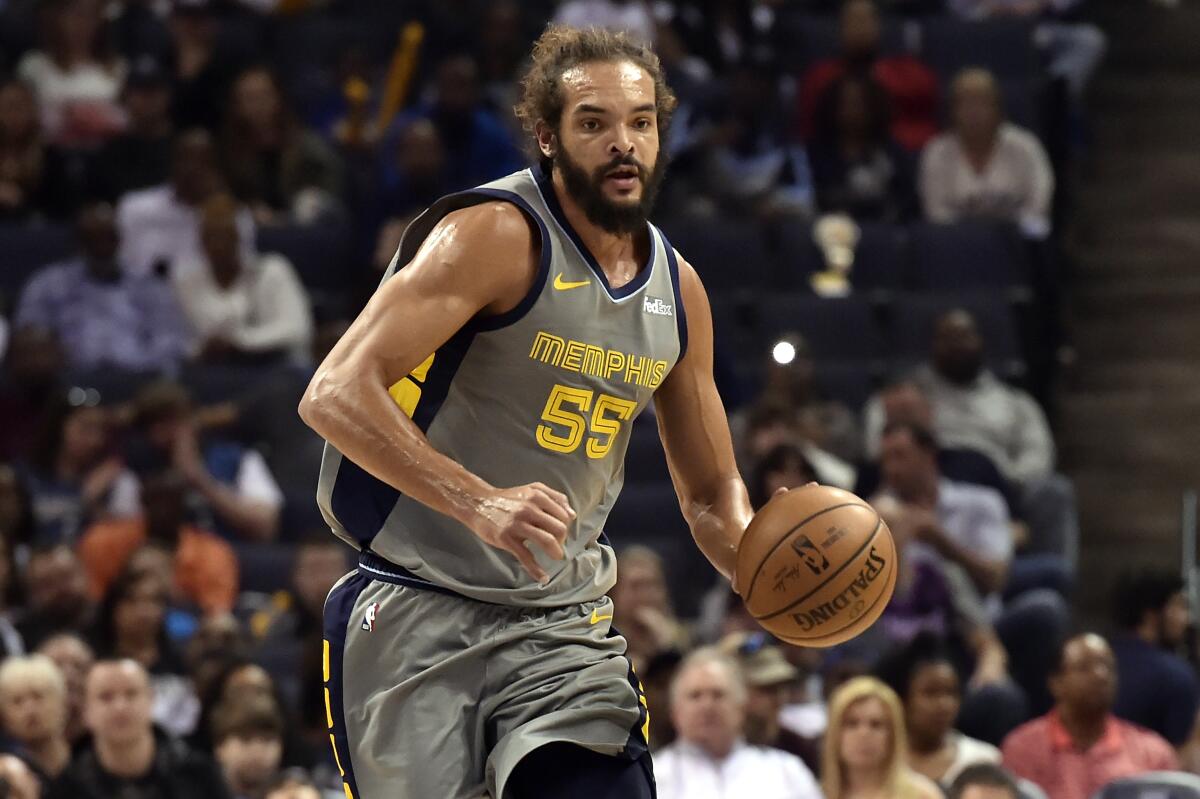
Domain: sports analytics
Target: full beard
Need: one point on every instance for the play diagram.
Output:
(588, 192)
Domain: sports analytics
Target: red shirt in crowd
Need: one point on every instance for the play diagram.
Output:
(911, 86)
(1043, 752)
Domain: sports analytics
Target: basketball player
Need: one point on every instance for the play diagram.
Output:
(477, 415)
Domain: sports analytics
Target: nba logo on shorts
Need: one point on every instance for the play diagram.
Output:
(368, 623)
(813, 558)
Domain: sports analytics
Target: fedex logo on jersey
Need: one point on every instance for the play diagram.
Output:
(653, 305)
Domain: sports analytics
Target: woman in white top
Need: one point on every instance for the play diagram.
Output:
(75, 76)
(926, 679)
(986, 167)
(865, 751)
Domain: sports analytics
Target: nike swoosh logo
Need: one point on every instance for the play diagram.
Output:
(562, 285)
(596, 618)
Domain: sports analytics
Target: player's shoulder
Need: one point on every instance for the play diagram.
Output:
(490, 223)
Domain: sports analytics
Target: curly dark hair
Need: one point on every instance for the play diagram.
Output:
(560, 48)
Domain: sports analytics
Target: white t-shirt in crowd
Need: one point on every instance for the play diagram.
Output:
(156, 228)
(76, 104)
(684, 771)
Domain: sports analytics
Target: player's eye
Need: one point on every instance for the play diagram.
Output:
(591, 124)
(642, 124)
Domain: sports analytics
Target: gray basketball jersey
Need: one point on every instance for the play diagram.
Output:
(546, 392)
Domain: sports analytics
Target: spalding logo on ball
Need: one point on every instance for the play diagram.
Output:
(816, 566)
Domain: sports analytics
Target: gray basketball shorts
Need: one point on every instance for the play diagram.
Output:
(430, 695)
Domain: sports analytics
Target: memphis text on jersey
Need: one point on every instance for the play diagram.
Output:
(588, 359)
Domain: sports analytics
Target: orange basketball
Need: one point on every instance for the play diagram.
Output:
(817, 566)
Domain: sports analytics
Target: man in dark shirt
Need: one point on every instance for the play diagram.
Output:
(1158, 688)
(125, 756)
(141, 156)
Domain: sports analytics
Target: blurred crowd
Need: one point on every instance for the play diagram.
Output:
(196, 197)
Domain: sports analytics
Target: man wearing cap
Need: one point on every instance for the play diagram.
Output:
(710, 759)
(768, 676)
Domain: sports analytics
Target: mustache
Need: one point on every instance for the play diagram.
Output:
(622, 160)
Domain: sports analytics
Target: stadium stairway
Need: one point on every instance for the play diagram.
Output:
(1129, 425)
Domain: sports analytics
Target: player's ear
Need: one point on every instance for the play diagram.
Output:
(547, 139)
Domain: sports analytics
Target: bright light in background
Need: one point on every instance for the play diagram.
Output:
(784, 353)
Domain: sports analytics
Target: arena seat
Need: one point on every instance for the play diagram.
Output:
(809, 38)
(1155, 785)
(728, 256)
(849, 383)
(320, 253)
(967, 255)
(265, 568)
(1003, 46)
(842, 328)
(645, 461)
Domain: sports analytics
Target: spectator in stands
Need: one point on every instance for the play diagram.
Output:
(140, 157)
(248, 744)
(73, 469)
(274, 165)
(791, 380)
(104, 316)
(865, 751)
(710, 759)
(634, 17)
(29, 386)
(642, 607)
(935, 596)
(857, 167)
(201, 75)
(1080, 746)
(911, 86)
(478, 146)
(974, 409)
(984, 781)
(139, 32)
(749, 165)
(33, 174)
(74, 659)
(925, 676)
(75, 76)
(205, 566)
(904, 401)
(56, 594)
(985, 167)
(965, 524)
(242, 307)
(409, 183)
(1075, 49)
(769, 678)
(1160, 691)
(125, 752)
(968, 526)
(160, 226)
(131, 623)
(231, 480)
(33, 708)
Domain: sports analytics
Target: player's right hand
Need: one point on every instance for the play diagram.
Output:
(515, 519)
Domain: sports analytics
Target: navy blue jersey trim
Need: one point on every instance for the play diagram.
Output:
(339, 610)
(378, 568)
(680, 312)
(360, 502)
(546, 187)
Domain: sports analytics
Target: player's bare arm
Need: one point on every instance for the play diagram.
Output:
(479, 260)
(695, 435)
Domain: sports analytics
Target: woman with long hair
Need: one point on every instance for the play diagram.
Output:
(274, 164)
(866, 749)
(925, 675)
